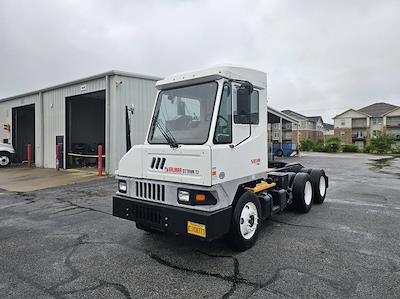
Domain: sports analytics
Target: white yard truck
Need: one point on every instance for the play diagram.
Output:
(203, 170)
(6, 154)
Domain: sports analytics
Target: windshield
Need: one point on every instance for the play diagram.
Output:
(183, 115)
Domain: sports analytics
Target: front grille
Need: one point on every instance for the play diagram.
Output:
(151, 191)
(148, 214)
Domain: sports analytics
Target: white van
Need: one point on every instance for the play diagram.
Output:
(6, 153)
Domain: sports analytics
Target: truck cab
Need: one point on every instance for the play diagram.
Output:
(203, 169)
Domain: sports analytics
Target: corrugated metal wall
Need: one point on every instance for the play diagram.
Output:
(6, 118)
(54, 114)
(125, 91)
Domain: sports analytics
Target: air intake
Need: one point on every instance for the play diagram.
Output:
(157, 163)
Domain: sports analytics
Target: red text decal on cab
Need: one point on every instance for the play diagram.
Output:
(174, 170)
(256, 161)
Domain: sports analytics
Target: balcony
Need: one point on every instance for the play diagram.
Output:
(393, 124)
(287, 137)
(356, 137)
(359, 123)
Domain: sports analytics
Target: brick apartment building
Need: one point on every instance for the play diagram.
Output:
(311, 127)
(359, 126)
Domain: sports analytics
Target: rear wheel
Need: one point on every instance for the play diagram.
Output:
(5, 159)
(302, 192)
(318, 179)
(246, 222)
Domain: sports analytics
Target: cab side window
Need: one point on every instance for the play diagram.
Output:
(223, 128)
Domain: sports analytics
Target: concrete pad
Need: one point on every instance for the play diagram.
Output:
(23, 179)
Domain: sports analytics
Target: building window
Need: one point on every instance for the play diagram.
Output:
(342, 122)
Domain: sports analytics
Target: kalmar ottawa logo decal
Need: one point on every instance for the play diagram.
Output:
(179, 170)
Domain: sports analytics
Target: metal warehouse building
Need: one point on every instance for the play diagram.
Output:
(80, 115)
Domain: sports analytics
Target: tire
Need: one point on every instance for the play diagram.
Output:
(5, 159)
(279, 153)
(306, 170)
(318, 180)
(302, 192)
(246, 222)
(146, 228)
(291, 176)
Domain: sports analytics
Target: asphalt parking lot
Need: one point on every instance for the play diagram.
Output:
(64, 243)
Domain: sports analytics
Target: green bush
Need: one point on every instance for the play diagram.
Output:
(367, 149)
(332, 145)
(381, 143)
(319, 147)
(306, 145)
(396, 150)
(349, 148)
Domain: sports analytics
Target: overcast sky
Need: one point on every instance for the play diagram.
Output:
(322, 57)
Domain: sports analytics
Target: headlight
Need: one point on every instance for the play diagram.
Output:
(196, 197)
(122, 186)
(183, 196)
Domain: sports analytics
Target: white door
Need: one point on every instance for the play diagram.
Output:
(240, 141)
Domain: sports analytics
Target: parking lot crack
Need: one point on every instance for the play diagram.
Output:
(294, 224)
(82, 207)
(75, 273)
(236, 279)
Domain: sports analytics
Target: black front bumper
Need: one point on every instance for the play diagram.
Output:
(172, 219)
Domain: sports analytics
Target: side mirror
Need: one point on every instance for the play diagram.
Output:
(244, 102)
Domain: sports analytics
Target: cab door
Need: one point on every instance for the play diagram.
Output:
(239, 139)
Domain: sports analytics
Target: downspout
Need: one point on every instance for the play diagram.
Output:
(107, 139)
(41, 129)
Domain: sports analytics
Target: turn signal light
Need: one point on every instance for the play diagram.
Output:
(200, 197)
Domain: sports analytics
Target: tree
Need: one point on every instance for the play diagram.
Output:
(381, 143)
(332, 145)
(306, 145)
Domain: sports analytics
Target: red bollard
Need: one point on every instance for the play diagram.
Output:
(29, 155)
(58, 157)
(100, 160)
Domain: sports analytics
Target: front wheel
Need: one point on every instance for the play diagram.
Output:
(246, 222)
(4, 159)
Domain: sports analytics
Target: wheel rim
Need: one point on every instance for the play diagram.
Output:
(307, 193)
(322, 186)
(4, 160)
(248, 220)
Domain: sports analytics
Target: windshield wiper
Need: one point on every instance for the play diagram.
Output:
(165, 132)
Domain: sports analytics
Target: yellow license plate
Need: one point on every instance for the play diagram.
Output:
(196, 229)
